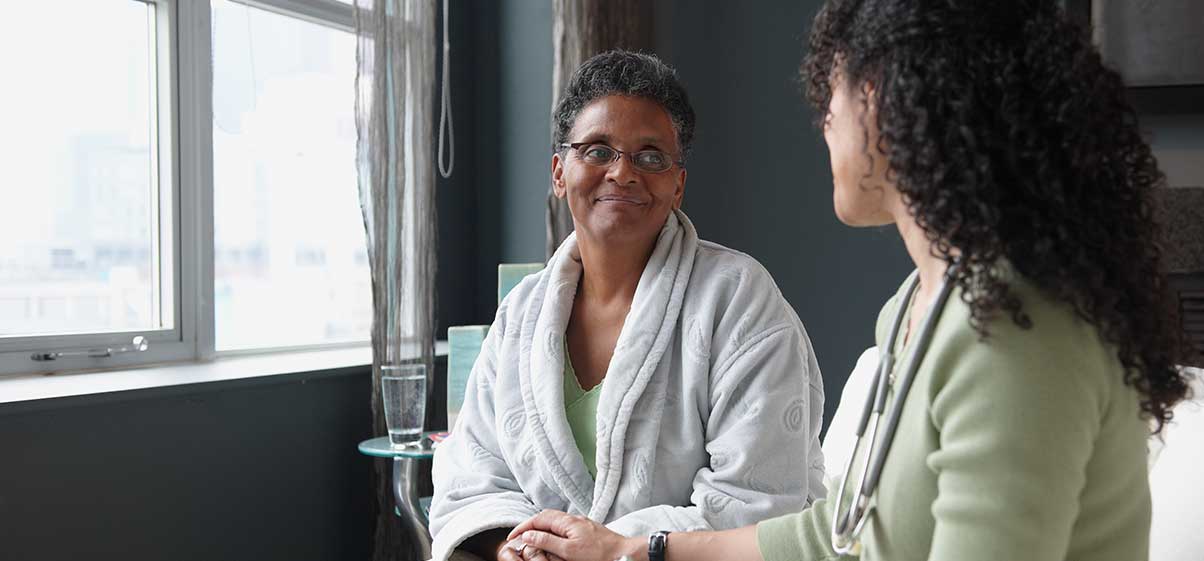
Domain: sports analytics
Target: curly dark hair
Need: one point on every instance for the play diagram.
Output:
(620, 72)
(1010, 141)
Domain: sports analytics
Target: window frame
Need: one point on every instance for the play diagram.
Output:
(184, 120)
(168, 344)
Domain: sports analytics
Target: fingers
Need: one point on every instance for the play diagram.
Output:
(507, 554)
(548, 543)
(544, 556)
(553, 521)
(531, 553)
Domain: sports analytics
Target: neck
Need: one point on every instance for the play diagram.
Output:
(611, 273)
(931, 268)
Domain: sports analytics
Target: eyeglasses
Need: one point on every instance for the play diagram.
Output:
(602, 155)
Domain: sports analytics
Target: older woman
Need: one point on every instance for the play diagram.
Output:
(1033, 348)
(645, 379)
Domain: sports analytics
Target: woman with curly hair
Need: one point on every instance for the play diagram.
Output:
(993, 137)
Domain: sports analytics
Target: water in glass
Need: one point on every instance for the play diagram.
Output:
(404, 390)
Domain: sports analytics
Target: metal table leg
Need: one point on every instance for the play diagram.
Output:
(405, 493)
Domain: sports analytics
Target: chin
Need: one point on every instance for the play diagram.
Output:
(620, 227)
(857, 217)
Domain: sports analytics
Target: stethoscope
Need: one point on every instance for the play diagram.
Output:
(847, 525)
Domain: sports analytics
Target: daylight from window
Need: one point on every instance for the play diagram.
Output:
(78, 229)
(290, 261)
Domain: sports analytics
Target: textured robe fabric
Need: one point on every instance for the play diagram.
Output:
(709, 416)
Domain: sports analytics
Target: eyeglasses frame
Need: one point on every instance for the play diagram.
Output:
(576, 147)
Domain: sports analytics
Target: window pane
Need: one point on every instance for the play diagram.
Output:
(78, 220)
(290, 260)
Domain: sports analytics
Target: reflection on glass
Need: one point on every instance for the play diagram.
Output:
(289, 253)
(77, 222)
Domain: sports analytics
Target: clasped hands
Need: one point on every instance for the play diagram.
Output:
(553, 535)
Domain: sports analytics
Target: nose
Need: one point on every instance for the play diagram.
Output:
(622, 172)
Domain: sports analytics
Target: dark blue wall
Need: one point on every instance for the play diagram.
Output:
(525, 98)
(260, 469)
(759, 179)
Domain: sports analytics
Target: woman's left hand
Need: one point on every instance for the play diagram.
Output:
(575, 538)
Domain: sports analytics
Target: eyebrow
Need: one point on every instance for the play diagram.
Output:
(646, 141)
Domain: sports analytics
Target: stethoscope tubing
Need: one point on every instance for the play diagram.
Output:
(848, 525)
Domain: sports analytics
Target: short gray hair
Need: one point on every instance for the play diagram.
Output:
(624, 73)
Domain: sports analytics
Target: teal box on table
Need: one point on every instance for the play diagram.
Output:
(510, 274)
(463, 347)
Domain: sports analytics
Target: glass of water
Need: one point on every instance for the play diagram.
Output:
(403, 387)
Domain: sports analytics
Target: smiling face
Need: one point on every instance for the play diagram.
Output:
(617, 204)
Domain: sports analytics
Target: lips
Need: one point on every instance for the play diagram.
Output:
(619, 199)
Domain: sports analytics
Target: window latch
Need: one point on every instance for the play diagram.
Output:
(139, 344)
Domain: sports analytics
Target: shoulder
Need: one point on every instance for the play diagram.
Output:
(510, 310)
(1058, 360)
(726, 274)
(504, 331)
(738, 302)
(1056, 336)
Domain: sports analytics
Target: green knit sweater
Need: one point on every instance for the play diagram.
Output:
(1026, 445)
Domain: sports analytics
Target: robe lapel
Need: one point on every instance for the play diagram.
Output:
(642, 342)
(645, 336)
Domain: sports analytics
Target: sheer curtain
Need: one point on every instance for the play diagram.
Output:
(581, 29)
(394, 85)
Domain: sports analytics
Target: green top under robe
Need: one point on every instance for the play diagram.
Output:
(581, 407)
(1027, 445)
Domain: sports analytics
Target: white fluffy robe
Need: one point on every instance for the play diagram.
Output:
(709, 416)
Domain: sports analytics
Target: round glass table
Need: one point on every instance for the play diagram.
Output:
(406, 460)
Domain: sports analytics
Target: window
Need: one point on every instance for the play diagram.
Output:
(79, 253)
(140, 125)
(89, 225)
(290, 265)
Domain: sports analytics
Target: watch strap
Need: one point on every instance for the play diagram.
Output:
(658, 544)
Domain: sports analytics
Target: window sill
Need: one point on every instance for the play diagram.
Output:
(32, 390)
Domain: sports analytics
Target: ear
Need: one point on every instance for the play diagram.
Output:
(558, 187)
(680, 192)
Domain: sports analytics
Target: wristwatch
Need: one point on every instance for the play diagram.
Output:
(658, 543)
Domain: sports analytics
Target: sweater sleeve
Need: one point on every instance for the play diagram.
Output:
(1016, 414)
(802, 536)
